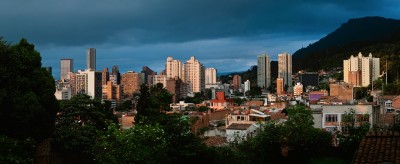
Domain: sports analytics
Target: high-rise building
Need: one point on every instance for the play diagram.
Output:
(211, 76)
(237, 81)
(247, 86)
(115, 76)
(285, 68)
(174, 68)
(298, 89)
(89, 82)
(155, 79)
(130, 83)
(356, 67)
(263, 71)
(105, 76)
(146, 71)
(66, 66)
(280, 86)
(112, 91)
(194, 75)
(91, 59)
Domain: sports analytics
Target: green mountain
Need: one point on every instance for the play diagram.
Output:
(376, 35)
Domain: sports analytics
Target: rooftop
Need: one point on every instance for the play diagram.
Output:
(379, 147)
(236, 126)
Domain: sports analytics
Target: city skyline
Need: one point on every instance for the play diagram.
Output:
(133, 34)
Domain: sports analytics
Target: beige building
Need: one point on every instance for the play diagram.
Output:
(194, 75)
(211, 76)
(112, 91)
(298, 89)
(174, 68)
(130, 83)
(89, 82)
(285, 68)
(367, 66)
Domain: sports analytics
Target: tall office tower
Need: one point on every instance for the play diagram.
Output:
(130, 83)
(66, 66)
(174, 68)
(146, 71)
(91, 59)
(237, 81)
(263, 71)
(280, 86)
(115, 76)
(360, 70)
(89, 82)
(211, 76)
(194, 75)
(285, 68)
(105, 77)
(246, 86)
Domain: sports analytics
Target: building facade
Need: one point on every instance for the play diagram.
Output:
(91, 59)
(359, 67)
(280, 86)
(174, 68)
(89, 82)
(130, 83)
(66, 67)
(285, 68)
(237, 81)
(194, 75)
(263, 71)
(211, 76)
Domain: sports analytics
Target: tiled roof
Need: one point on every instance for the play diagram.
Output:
(215, 141)
(236, 126)
(379, 147)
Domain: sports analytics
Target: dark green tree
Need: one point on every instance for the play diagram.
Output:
(78, 123)
(28, 104)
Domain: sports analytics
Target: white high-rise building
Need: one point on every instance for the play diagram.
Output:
(368, 67)
(174, 68)
(285, 68)
(66, 67)
(246, 86)
(91, 59)
(263, 71)
(89, 82)
(194, 75)
(211, 76)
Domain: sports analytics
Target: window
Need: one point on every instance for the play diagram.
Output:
(331, 118)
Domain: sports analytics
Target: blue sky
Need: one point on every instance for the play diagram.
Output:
(225, 34)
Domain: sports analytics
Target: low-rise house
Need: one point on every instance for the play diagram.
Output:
(240, 131)
(247, 117)
(333, 116)
(220, 102)
(181, 106)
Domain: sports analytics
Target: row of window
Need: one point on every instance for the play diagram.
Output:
(358, 117)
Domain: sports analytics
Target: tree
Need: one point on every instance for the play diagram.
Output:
(152, 102)
(78, 123)
(354, 128)
(28, 104)
(139, 144)
(16, 151)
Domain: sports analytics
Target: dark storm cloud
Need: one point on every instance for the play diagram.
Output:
(226, 34)
(135, 22)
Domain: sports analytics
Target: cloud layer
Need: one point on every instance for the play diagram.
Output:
(226, 34)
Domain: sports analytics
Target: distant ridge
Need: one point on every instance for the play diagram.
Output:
(378, 35)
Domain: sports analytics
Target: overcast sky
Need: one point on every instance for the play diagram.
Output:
(225, 34)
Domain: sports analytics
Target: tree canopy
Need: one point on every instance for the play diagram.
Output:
(28, 104)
